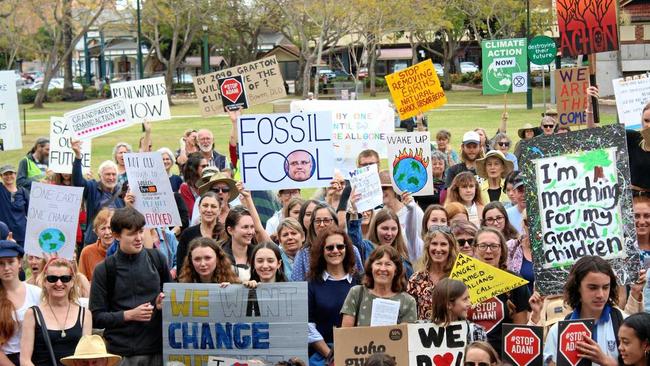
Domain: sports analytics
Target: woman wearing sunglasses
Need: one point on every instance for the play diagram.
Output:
(481, 354)
(65, 321)
(502, 142)
(464, 232)
(440, 251)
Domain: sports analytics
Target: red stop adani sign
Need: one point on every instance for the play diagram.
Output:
(570, 332)
(233, 93)
(522, 345)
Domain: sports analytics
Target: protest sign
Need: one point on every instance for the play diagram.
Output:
(61, 155)
(202, 320)
(10, 137)
(353, 346)
(587, 26)
(522, 345)
(434, 345)
(146, 99)
(501, 59)
(416, 89)
(98, 119)
(409, 160)
(286, 150)
(632, 94)
(569, 333)
(233, 93)
(483, 280)
(571, 91)
(357, 125)
(542, 50)
(365, 182)
(262, 81)
(220, 361)
(578, 200)
(52, 220)
(149, 182)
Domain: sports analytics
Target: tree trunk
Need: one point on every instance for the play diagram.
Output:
(42, 93)
(319, 56)
(305, 78)
(67, 43)
(169, 81)
(372, 56)
(298, 86)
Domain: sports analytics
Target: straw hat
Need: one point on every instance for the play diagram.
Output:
(508, 166)
(221, 178)
(522, 131)
(91, 347)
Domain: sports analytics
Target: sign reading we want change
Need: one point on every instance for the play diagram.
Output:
(578, 199)
(203, 320)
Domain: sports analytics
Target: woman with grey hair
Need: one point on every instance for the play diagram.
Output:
(438, 168)
(502, 142)
(119, 150)
(169, 161)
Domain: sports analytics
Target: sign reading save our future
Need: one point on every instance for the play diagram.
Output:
(204, 320)
(504, 66)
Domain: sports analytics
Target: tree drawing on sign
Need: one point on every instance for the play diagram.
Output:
(587, 26)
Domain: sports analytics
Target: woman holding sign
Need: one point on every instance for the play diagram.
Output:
(450, 304)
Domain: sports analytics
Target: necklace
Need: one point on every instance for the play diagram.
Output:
(57, 320)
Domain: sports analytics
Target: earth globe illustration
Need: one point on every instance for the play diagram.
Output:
(51, 240)
(410, 171)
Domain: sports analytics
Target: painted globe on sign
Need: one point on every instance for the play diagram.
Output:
(51, 240)
(410, 175)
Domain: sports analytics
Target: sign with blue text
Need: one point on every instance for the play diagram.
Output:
(201, 321)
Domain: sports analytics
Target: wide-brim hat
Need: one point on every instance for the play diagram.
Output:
(508, 165)
(91, 347)
(207, 173)
(522, 131)
(221, 178)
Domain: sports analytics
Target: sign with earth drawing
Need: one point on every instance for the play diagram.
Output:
(52, 220)
(409, 162)
(504, 61)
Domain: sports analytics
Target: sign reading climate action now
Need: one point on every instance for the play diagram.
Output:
(416, 89)
(504, 62)
(579, 203)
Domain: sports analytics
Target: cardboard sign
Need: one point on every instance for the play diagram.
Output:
(10, 137)
(571, 90)
(233, 93)
(357, 125)
(150, 184)
(483, 280)
(409, 162)
(577, 202)
(52, 220)
(353, 346)
(587, 26)
(502, 60)
(203, 320)
(220, 361)
(569, 333)
(416, 89)
(61, 155)
(262, 80)
(98, 119)
(365, 181)
(146, 99)
(434, 345)
(632, 94)
(286, 150)
(522, 345)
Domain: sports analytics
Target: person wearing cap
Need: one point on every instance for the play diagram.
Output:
(33, 166)
(515, 181)
(470, 151)
(494, 167)
(14, 204)
(17, 297)
(284, 196)
(91, 351)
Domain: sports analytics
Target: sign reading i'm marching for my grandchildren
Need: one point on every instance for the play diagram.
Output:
(203, 320)
(99, 118)
(61, 155)
(10, 138)
(409, 160)
(52, 220)
(578, 199)
(146, 99)
(286, 150)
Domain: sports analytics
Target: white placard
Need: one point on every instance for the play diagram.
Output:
(443, 345)
(519, 82)
(10, 137)
(286, 150)
(52, 220)
(409, 160)
(149, 182)
(98, 119)
(61, 155)
(632, 94)
(365, 181)
(146, 99)
(384, 312)
(221, 361)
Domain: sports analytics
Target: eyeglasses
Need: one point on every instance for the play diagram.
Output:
(548, 126)
(339, 247)
(470, 363)
(54, 279)
(484, 247)
(441, 228)
(463, 242)
(325, 221)
(494, 220)
(504, 144)
(220, 189)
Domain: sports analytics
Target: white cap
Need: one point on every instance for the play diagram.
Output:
(471, 136)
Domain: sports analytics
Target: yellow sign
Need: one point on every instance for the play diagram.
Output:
(416, 89)
(483, 280)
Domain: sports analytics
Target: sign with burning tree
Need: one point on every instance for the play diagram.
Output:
(587, 26)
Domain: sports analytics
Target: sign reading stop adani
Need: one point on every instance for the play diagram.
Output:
(416, 89)
(504, 65)
(570, 332)
(522, 345)
(286, 150)
(146, 99)
(233, 93)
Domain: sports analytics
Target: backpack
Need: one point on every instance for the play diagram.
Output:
(111, 270)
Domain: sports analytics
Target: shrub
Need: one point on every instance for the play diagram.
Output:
(55, 95)
(477, 77)
(107, 91)
(91, 92)
(27, 96)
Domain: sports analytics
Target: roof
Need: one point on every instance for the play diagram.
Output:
(638, 10)
(195, 61)
(395, 54)
(288, 48)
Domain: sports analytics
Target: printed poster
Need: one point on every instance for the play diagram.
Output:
(146, 99)
(10, 137)
(503, 62)
(409, 162)
(99, 119)
(587, 26)
(61, 155)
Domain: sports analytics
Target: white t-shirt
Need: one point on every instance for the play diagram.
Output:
(32, 297)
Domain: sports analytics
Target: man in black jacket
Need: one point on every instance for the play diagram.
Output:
(126, 294)
(470, 152)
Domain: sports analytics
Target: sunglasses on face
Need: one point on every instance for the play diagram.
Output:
(220, 189)
(463, 242)
(548, 126)
(339, 247)
(504, 144)
(54, 279)
(470, 363)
